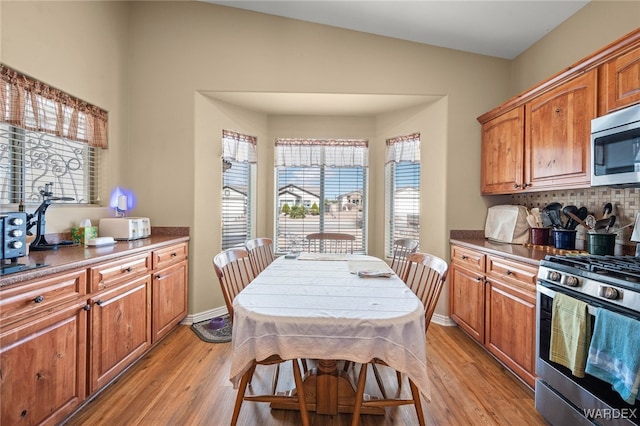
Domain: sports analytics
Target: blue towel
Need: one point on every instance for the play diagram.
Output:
(614, 353)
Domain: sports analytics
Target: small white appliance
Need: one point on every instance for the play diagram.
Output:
(507, 224)
(125, 228)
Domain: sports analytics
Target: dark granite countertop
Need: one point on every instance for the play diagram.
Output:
(78, 256)
(524, 253)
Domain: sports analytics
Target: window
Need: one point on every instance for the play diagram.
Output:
(402, 187)
(238, 174)
(47, 136)
(321, 187)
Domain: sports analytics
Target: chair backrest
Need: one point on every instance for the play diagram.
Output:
(329, 242)
(234, 273)
(425, 276)
(401, 248)
(260, 253)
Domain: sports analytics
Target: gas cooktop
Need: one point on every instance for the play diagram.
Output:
(614, 269)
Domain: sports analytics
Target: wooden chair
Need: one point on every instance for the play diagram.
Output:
(329, 242)
(401, 248)
(234, 273)
(425, 276)
(246, 379)
(260, 253)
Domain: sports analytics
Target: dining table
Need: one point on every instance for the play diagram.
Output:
(330, 308)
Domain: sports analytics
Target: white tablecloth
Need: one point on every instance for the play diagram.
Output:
(319, 310)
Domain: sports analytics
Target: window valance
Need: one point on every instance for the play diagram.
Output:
(321, 152)
(33, 105)
(239, 148)
(403, 148)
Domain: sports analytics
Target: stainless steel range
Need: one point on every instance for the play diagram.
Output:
(607, 282)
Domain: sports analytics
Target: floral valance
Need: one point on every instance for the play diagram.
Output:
(403, 148)
(239, 148)
(322, 152)
(34, 105)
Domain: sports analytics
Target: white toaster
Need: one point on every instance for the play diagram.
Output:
(125, 228)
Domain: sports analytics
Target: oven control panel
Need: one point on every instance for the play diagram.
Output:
(568, 280)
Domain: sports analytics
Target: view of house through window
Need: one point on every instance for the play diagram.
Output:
(402, 182)
(238, 174)
(321, 187)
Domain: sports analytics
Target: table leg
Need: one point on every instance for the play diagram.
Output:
(328, 391)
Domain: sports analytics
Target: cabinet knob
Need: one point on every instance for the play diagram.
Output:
(127, 269)
(38, 299)
(99, 302)
(464, 257)
(524, 185)
(174, 254)
(516, 186)
(158, 276)
(508, 272)
(87, 307)
(479, 279)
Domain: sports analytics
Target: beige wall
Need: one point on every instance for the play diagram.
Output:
(147, 63)
(593, 27)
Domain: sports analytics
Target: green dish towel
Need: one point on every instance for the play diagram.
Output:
(570, 333)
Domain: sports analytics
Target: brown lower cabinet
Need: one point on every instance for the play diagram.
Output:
(65, 336)
(493, 299)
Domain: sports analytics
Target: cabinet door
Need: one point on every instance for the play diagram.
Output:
(169, 292)
(120, 329)
(467, 301)
(503, 153)
(511, 328)
(43, 367)
(558, 136)
(622, 79)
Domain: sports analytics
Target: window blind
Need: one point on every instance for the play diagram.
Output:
(238, 171)
(402, 189)
(321, 187)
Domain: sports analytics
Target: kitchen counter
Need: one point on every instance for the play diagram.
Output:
(78, 256)
(524, 253)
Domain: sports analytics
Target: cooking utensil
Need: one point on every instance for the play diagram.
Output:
(571, 213)
(553, 209)
(612, 220)
(577, 220)
(606, 210)
(546, 220)
(590, 220)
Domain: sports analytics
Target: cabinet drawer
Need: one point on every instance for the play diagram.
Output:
(170, 255)
(118, 271)
(469, 259)
(39, 295)
(512, 272)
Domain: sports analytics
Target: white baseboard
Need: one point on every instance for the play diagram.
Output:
(203, 316)
(443, 320)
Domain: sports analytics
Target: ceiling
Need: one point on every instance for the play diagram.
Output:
(503, 29)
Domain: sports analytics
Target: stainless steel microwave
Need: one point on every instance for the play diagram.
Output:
(615, 148)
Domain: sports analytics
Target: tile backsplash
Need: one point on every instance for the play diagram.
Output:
(625, 201)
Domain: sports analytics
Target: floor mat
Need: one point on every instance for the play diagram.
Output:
(215, 330)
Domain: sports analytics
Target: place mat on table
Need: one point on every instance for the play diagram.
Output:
(323, 256)
(373, 268)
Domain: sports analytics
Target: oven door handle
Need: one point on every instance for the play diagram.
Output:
(552, 293)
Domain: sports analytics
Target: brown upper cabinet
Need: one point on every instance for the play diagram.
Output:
(540, 139)
(621, 79)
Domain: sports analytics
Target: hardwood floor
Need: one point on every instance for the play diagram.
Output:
(184, 381)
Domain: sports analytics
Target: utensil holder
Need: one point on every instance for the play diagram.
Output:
(564, 239)
(601, 244)
(539, 236)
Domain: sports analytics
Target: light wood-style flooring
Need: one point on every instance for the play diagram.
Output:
(184, 381)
